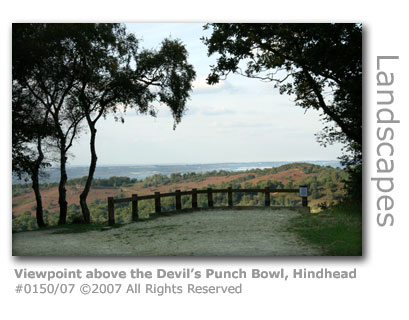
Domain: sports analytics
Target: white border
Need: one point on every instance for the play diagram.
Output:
(382, 270)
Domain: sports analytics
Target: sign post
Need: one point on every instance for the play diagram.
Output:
(304, 195)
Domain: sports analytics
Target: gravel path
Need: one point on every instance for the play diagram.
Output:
(202, 233)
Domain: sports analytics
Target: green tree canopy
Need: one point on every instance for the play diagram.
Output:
(46, 65)
(73, 72)
(116, 75)
(28, 125)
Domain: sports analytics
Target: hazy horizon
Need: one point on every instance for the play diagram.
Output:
(195, 163)
(141, 171)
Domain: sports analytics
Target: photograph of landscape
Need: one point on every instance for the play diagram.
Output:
(187, 139)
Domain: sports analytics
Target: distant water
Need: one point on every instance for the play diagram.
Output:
(143, 171)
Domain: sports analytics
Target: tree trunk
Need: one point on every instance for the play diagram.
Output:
(36, 185)
(62, 198)
(39, 209)
(83, 197)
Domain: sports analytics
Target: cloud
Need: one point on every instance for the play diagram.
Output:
(217, 111)
(224, 130)
(200, 86)
(216, 124)
(240, 124)
(206, 110)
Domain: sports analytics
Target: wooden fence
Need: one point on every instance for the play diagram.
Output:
(194, 192)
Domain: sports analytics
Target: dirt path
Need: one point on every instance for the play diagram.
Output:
(203, 233)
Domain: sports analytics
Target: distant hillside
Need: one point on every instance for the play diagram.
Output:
(143, 171)
(324, 184)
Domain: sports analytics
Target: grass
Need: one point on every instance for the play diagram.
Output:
(337, 229)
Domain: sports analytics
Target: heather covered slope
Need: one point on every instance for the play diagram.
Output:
(324, 183)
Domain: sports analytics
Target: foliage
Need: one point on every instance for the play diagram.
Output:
(45, 66)
(110, 182)
(30, 124)
(353, 184)
(70, 72)
(20, 189)
(319, 64)
(24, 222)
(116, 74)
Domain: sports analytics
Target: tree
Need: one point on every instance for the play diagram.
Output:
(116, 74)
(45, 65)
(30, 127)
(319, 64)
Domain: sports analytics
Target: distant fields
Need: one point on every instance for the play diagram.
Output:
(141, 172)
(325, 185)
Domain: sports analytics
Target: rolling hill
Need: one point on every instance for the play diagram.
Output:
(325, 186)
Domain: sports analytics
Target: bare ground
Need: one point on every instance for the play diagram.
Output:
(204, 233)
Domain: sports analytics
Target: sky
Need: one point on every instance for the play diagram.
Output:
(237, 120)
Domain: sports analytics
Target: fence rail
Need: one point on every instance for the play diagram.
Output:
(194, 192)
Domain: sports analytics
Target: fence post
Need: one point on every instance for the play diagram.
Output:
(267, 196)
(209, 197)
(178, 200)
(304, 195)
(230, 197)
(135, 214)
(111, 211)
(194, 198)
(157, 202)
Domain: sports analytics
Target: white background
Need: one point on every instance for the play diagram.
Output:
(380, 290)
